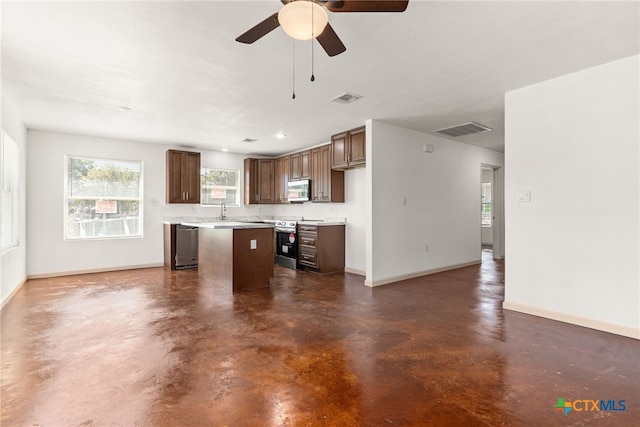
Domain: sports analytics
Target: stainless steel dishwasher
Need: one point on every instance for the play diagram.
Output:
(186, 246)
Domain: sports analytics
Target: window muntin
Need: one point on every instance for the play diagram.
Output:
(9, 159)
(103, 198)
(220, 186)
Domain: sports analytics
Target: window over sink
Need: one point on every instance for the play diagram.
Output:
(220, 186)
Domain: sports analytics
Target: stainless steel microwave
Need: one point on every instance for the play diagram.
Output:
(299, 191)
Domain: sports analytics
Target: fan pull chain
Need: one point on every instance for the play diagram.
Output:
(293, 71)
(313, 78)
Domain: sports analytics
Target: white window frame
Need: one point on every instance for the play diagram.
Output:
(9, 192)
(203, 172)
(485, 202)
(140, 200)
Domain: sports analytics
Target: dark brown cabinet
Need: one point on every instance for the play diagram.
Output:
(183, 177)
(259, 181)
(349, 149)
(282, 167)
(301, 165)
(321, 248)
(327, 185)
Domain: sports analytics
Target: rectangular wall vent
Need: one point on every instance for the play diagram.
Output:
(346, 98)
(464, 129)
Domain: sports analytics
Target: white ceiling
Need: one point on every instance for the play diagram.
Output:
(67, 65)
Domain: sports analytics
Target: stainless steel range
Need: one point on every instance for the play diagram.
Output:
(287, 244)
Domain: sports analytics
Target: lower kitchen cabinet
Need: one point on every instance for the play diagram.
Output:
(321, 248)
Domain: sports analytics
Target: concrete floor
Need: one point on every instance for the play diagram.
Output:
(158, 348)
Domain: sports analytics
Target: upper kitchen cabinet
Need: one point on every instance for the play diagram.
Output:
(259, 185)
(349, 149)
(282, 167)
(183, 177)
(327, 185)
(300, 165)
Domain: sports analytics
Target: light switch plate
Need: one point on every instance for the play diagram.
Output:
(254, 244)
(524, 196)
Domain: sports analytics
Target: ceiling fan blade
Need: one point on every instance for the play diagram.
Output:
(260, 30)
(367, 5)
(330, 41)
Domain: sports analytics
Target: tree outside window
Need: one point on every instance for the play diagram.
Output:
(103, 198)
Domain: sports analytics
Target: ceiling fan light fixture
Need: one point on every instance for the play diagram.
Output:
(296, 19)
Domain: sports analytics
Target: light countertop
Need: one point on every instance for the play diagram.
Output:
(227, 224)
(267, 221)
(321, 223)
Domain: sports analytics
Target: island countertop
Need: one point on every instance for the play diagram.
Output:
(228, 224)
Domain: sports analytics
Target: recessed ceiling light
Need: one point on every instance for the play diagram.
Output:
(225, 149)
(280, 135)
(123, 108)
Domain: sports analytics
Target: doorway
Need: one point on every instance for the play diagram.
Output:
(492, 211)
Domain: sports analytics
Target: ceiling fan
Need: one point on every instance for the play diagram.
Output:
(307, 19)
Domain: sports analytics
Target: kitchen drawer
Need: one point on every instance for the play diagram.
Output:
(308, 258)
(308, 239)
(307, 228)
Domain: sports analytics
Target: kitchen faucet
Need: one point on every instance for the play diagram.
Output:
(223, 209)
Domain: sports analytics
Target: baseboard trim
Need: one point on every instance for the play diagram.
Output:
(419, 274)
(355, 271)
(12, 293)
(586, 322)
(93, 270)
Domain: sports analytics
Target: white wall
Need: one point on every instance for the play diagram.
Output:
(573, 251)
(48, 253)
(13, 261)
(442, 191)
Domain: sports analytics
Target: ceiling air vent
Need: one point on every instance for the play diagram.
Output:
(464, 129)
(347, 98)
(249, 140)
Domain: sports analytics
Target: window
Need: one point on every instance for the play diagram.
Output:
(9, 159)
(486, 204)
(103, 198)
(220, 186)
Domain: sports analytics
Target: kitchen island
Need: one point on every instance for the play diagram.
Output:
(235, 255)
